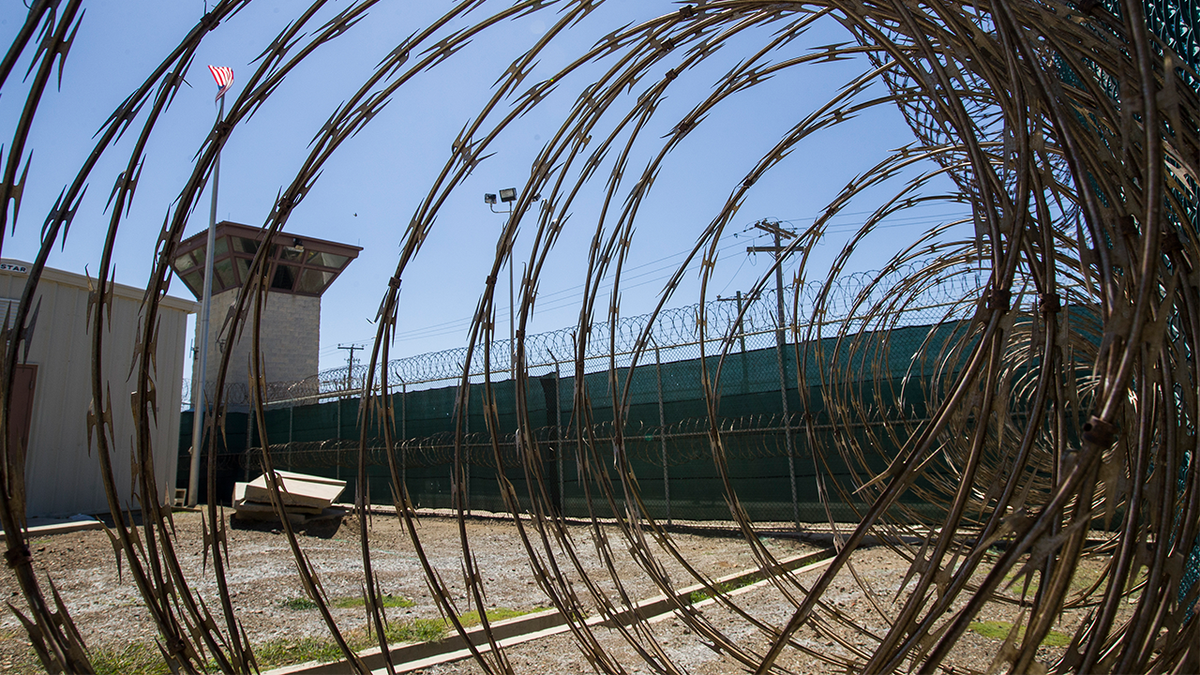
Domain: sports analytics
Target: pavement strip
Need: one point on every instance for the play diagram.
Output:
(410, 656)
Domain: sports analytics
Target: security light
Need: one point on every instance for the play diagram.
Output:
(489, 198)
(298, 244)
(508, 195)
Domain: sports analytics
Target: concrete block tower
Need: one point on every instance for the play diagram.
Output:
(300, 269)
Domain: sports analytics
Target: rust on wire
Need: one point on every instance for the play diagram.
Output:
(1052, 385)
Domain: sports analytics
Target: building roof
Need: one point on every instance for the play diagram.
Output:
(19, 268)
(299, 264)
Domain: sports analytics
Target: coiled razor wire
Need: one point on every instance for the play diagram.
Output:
(674, 331)
(1065, 395)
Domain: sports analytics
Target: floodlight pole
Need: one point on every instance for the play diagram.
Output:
(490, 199)
(202, 328)
(512, 315)
(512, 333)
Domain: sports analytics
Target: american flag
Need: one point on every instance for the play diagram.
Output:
(224, 77)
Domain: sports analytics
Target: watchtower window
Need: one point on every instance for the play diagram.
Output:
(245, 245)
(313, 282)
(306, 267)
(285, 278)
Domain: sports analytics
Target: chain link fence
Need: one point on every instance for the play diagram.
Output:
(769, 410)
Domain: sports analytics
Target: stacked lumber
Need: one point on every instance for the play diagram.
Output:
(304, 498)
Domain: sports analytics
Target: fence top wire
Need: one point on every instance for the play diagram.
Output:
(675, 334)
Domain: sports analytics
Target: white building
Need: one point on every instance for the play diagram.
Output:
(52, 391)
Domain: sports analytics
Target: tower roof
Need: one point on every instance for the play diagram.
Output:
(299, 265)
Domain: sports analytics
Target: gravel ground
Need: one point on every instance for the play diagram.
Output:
(882, 569)
(262, 577)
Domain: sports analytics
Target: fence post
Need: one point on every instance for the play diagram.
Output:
(562, 496)
(551, 463)
(337, 421)
(466, 486)
(787, 417)
(741, 331)
(662, 433)
(404, 435)
(249, 437)
(291, 417)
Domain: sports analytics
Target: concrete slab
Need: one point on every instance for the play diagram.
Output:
(40, 527)
(296, 489)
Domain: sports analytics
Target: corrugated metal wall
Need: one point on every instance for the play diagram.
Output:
(62, 474)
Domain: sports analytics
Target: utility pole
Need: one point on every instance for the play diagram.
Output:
(780, 342)
(350, 361)
(777, 249)
(739, 298)
(741, 333)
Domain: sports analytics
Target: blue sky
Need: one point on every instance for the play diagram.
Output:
(370, 190)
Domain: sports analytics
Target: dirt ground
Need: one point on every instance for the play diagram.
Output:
(263, 579)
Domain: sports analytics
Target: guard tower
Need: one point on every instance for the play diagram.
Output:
(300, 269)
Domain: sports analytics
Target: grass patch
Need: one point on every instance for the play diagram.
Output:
(299, 604)
(134, 659)
(286, 652)
(725, 587)
(357, 601)
(144, 659)
(417, 630)
(998, 630)
(471, 618)
(435, 630)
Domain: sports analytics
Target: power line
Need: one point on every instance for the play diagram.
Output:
(561, 298)
(546, 300)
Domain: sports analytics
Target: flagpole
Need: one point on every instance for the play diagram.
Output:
(202, 329)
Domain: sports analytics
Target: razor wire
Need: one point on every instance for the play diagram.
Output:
(1062, 379)
(676, 333)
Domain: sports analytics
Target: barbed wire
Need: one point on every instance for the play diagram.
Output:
(673, 328)
(1060, 377)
